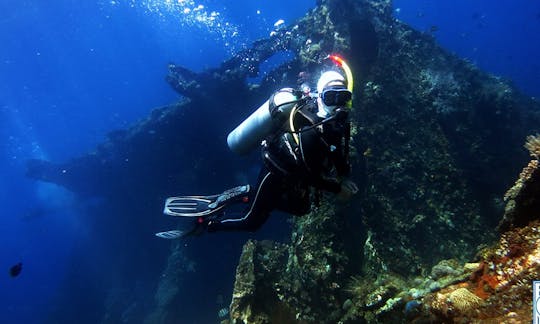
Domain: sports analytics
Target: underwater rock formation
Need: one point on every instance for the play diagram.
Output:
(436, 142)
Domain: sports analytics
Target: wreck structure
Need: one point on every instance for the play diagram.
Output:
(436, 144)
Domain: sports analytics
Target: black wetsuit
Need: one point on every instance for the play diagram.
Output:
(290, 168)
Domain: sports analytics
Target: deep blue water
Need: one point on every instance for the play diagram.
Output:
(71, 71)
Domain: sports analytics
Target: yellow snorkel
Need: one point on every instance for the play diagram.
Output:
(348, 73)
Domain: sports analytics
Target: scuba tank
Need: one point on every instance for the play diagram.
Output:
(274, 113)
(268, 117)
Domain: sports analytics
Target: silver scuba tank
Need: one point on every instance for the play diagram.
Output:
(249, 134)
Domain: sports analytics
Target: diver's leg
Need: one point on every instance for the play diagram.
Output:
(294, 198)
(262, 203)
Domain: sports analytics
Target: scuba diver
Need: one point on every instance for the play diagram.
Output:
(304, 141)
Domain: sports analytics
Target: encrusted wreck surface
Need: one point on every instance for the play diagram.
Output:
(436, 144)
(493, 287)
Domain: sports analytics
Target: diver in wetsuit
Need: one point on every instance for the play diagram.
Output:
(307, 147)
(315, 155)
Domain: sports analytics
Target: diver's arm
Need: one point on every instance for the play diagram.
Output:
(344, 189)
(330, 185)
(340, 156)
(343, 167)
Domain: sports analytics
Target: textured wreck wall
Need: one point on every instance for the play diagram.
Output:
(442, 143)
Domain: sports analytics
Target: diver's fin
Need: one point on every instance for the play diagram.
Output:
(189, 206)
(202, 206)
(170, 235)
(199, 228)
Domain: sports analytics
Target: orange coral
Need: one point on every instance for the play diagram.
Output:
(480, 292)
(486, 281)
(491, 280)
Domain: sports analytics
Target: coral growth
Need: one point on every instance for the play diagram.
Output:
(464, 300)
(501, 283)
(522, 200)
(453, 303)
(533, 145)
(499, 289)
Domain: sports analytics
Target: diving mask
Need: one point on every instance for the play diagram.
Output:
(335, 96)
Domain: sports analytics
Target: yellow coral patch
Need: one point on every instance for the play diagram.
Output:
(464, 300)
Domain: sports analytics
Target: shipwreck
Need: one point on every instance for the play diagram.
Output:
(431, 237)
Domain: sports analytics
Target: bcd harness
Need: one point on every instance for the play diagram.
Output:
(285, 152)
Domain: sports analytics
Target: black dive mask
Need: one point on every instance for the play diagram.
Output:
(335, 96)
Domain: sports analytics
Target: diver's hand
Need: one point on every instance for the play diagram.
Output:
(348, 189)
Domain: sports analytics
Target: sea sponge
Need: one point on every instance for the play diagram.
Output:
(463, 300)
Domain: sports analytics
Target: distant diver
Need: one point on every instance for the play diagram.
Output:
(304, 139)
(15, 270)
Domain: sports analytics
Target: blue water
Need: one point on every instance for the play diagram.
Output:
(71, 71)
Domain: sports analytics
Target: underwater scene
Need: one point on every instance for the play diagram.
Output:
(249, 161)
